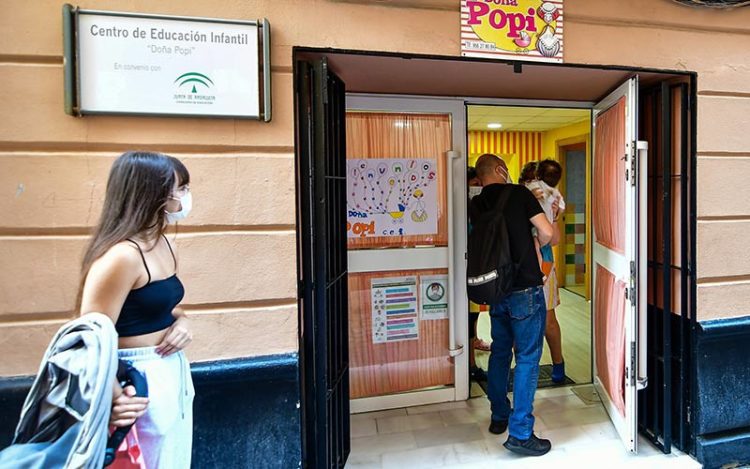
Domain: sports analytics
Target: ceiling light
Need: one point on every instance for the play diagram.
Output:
(494, 125)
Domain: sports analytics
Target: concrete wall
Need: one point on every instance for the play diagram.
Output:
(237, 248)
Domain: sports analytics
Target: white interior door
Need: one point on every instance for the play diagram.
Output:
(619, 191)
(427, 363)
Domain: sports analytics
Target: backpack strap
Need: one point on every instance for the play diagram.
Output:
(503, 200)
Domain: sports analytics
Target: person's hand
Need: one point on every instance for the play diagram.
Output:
(126, 408)
(538, 193)
(178, 336)
(556, 209)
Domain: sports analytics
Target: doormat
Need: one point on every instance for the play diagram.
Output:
(587, 394)
(545, 379)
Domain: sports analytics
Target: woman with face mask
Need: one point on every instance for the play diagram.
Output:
(130, 274)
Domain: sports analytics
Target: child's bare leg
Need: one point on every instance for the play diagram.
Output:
(554, 337)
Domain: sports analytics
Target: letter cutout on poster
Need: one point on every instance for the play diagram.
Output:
(434, 290)
(391, 197)
(394, 309)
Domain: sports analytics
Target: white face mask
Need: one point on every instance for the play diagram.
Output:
(474, 191)
(186, 201)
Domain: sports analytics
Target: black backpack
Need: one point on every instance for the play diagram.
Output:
(490, 272)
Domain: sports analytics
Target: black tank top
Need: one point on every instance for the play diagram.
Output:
(149, 308)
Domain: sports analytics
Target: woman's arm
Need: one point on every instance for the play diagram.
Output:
(109, 280)
(107, 284)
(178, 336)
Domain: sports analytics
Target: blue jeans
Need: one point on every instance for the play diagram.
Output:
(518, 322)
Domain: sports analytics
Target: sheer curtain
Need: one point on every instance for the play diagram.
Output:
(609, 311)
(385, 368)
(608, 203)
(402, 135)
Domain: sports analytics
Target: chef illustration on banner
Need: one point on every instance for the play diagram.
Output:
(434, 298)
(391, 197)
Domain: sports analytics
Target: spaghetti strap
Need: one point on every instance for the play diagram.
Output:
(171, 251)
(142, 258)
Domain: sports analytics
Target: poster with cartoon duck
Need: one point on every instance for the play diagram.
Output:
(512, 29)
(391, 197)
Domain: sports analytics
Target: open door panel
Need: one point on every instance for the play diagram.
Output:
(616, 257)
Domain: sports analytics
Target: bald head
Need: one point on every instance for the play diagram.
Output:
(491, 169)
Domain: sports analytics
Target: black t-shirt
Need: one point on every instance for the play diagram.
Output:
(519, 209)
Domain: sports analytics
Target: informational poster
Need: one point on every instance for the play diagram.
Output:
(395, 316)
(391, 197)
(512, 29)
(434, 290)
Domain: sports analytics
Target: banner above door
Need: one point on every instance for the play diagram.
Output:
(529, 30)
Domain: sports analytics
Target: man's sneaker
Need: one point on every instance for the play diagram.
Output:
(498, 427)
(532, 447)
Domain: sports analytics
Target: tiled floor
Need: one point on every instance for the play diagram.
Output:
(455, 435)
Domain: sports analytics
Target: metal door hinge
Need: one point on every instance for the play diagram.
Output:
(633, 163)
(632, 363)
(642, 383)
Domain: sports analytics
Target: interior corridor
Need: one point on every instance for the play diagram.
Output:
(575, 323)
(455, 435)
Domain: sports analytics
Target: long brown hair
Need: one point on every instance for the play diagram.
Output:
(138, 189)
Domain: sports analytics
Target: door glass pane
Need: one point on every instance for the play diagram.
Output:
(388, 358)
(397, 199)
(386, 189)
(609, 308)
(609, 178)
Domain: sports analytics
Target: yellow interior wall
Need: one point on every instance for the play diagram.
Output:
(515, 147)
(511, 159)
(551, 141)
(551, 137)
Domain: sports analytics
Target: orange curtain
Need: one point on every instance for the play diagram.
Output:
(402, 135)
(608, 203)
(609, 313)
(388, 368)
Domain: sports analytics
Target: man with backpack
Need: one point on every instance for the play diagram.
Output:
(503, 271)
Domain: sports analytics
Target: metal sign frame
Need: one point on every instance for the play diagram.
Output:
(72, 72)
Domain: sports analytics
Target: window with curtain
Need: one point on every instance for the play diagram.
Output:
(374, 135)
(608, 203)
(609, 311)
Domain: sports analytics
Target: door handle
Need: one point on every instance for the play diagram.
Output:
(642, 300)
(453, 348)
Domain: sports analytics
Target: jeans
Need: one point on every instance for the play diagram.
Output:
(518, 322)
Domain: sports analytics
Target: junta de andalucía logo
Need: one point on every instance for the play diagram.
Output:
(194, 88)
(195, 79)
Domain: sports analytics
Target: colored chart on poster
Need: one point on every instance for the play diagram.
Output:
(391, 197)
(434, 290)
(394, 309)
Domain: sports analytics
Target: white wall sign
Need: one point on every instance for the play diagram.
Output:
(145, 64)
